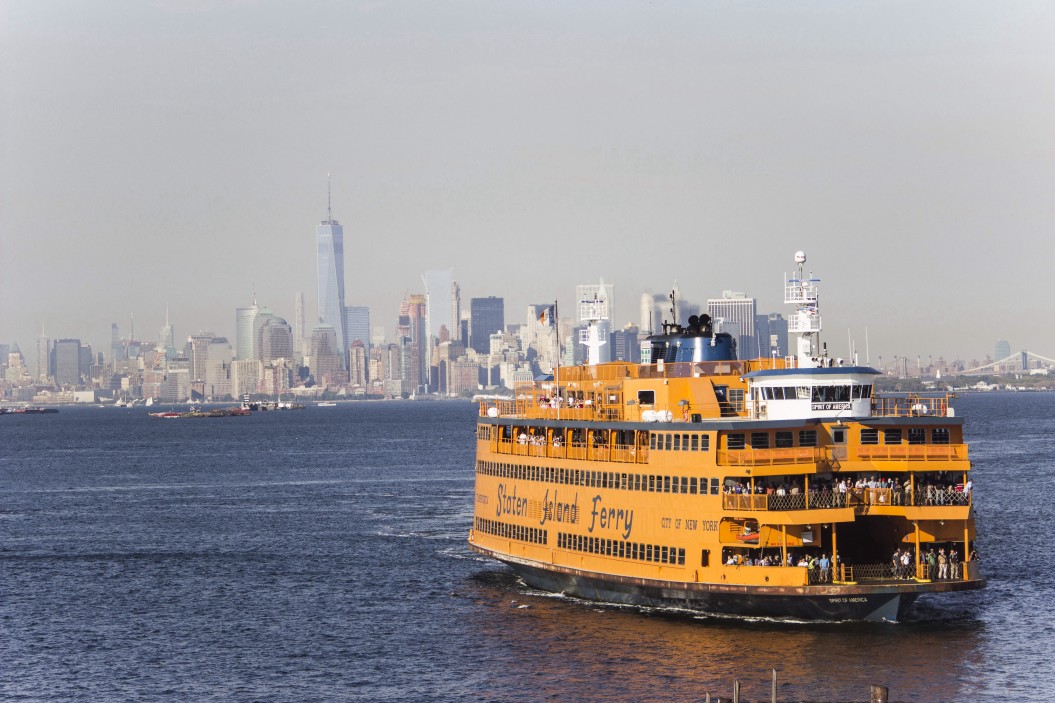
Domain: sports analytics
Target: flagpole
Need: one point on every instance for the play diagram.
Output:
(556, 366)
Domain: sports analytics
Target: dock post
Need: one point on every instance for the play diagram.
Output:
(773, 698)
(879, 694)
(736, 691)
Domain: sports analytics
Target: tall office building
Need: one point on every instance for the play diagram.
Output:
(325, 356)
(735, 307)
(772, 333)
(1002, 351)
(199, 354)
(357, 324)
(456, 313)
(486, 316)
(43, 356)
(438, 308)
(274, 340)
(66, 364)
(329, 240)
(167, 337)
(117, 349)
(245, 331)
(298, 323)
(412, 335)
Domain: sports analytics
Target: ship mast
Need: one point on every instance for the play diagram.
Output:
(805, 322)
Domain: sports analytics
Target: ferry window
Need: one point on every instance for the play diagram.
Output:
(692, 485)
(917, 435)
(857, 392)
(839, 435)
(695, 442)
(785, 440)
(705, 442)
(622, 481)
(734, 441)
(714, 486)
(803, 392)
(736, 398)
(940, 435)
(648, 552)
(866, 391)
(705, 557)
(842, 394)
(869, 436)
(646, 397)
(807, 438)
(665, 558)
(652, 484)
(667, 440)
(677, 442)
(760, 440)
(685, 442)
(892, 436)
(652, 441)
(684, 484)
(666, 484)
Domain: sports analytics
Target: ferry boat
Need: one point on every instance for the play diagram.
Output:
(775, 487)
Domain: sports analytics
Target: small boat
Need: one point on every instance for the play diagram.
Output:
(326, 404)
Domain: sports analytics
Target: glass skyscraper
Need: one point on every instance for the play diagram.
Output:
(329, 239)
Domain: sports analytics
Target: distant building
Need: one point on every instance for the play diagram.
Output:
(626, 345)
(772, 333)
(245, 331)
(325, 356)
(66, 362)
(487, 316)
(1003, 350)
(358, 364)
(735, 307)
(329, 242)
(274, 340)
(357, 324)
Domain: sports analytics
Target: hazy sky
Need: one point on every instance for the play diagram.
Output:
(176, 153)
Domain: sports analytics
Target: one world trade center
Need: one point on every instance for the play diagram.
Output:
(329, 240)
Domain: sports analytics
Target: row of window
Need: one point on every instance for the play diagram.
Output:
(763, 440)
(680, 441)
(916, 435)
(520, 533)
(781, 439)
(624, 550)
(600, 479)
(817, 394)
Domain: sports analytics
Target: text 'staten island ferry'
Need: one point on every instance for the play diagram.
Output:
(774, 487)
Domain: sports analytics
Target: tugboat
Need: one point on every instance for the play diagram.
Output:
(771, 487)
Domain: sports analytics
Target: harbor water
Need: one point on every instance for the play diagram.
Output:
(320, 555)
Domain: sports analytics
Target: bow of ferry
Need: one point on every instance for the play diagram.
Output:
(774, 487)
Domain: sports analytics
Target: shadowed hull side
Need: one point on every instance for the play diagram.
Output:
(877, 603)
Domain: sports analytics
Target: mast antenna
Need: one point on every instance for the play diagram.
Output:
(329, 201)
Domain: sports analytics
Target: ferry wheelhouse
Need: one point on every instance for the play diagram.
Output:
(773, 487)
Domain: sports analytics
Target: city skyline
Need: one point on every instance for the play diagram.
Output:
(175, 155)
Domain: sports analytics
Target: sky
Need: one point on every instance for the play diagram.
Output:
(157, 153)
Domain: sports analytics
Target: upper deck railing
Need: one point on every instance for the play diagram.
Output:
(595, 393)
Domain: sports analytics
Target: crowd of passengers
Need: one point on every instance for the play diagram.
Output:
(820, 565)
(931, 490)
(936, 565)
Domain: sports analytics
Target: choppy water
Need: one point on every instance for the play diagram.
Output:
(320, 555)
